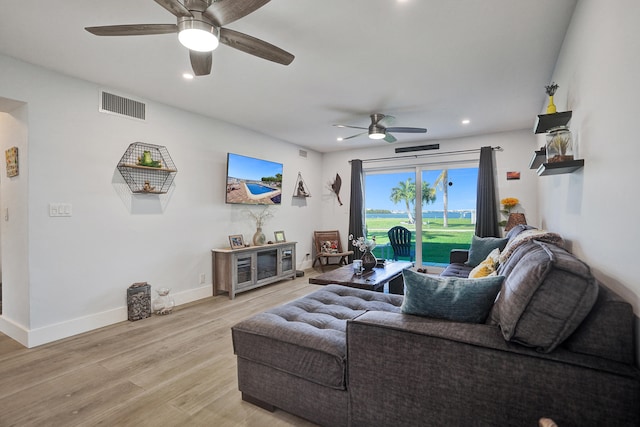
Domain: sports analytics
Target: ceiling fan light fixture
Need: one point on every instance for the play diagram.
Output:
(376, 132)
(197, 35)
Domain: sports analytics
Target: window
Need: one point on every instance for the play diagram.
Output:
(447, 212)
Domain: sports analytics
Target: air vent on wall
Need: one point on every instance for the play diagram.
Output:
(121, 106)
(418, 148)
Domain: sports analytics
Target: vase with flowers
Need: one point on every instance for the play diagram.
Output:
(551, 90)
(260, 218)
(365, 246)
(513, 218)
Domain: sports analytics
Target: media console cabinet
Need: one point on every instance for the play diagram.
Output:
(239, 270)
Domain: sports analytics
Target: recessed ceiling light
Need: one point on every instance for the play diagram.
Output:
(466, 121)
(187, 76)
(339, 139)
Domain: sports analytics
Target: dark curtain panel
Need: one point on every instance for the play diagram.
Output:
(486, 207)
(356, 207)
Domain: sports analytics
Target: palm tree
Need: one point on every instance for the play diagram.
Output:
(442, 182)
(428, 193)
(405, 191)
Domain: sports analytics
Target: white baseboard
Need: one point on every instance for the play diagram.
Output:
(13, 331)
(46, 334)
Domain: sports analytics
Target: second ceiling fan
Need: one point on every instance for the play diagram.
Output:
(379, 128)
(199, 27)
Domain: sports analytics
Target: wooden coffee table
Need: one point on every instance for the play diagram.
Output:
(373, 280)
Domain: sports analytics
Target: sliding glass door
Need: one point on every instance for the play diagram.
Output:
(442, 219)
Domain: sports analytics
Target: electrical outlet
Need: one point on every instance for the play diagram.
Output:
(202, 278)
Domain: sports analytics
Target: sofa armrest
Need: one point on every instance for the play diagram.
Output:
(458, 256)
(410, 370)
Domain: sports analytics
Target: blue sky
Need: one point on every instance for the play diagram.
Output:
(462, 194)
(252, 169)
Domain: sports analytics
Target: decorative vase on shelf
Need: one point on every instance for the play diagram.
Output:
(551, 108)
(164, 303)
(368, 260)
(259, 238)
(559, 145)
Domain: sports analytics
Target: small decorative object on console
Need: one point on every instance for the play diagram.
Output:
(236, 241)
(279, 235)
(260, 218)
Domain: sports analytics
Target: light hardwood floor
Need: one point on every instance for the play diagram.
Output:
(173, 370)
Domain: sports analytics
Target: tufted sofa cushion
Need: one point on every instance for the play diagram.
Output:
(307, 337)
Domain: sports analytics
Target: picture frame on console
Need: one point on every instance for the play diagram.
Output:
(236, 241)
(279, 236)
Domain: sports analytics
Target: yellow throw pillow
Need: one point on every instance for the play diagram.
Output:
(486, 267)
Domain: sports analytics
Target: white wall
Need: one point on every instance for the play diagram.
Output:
(597, 207)
(517, 149)
(80, 267)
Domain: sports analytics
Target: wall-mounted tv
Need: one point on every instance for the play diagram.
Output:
(253, 181)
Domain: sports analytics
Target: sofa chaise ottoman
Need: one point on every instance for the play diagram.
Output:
(294, 356)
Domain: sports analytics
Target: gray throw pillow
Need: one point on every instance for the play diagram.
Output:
(450, 298)
(482, 246)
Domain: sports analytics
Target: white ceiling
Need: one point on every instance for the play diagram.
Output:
(429, 63)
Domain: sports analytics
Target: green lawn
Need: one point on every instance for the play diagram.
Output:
(437, 241)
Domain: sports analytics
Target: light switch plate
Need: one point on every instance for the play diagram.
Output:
(60, 209)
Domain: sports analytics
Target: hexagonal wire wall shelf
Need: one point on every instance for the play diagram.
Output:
(156, 178)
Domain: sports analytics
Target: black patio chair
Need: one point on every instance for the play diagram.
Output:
(400, 240)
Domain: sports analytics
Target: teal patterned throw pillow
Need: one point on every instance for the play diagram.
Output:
(450, 298)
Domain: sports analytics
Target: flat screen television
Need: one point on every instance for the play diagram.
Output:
(253, 181)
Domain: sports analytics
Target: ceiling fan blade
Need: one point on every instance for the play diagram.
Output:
(353, 136)
(175, 7)
(254, 46)
(390, 138)
(407, 130)
(225, 12)
(386, 121)
(201, 62)
(133, 29)
(348, 126)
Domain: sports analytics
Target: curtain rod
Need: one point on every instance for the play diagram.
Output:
(415, 156)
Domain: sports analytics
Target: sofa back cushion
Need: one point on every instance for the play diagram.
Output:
(607, 331)
(547, 293)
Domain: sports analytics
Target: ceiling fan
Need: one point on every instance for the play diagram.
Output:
(378, 129)
(199, 28)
